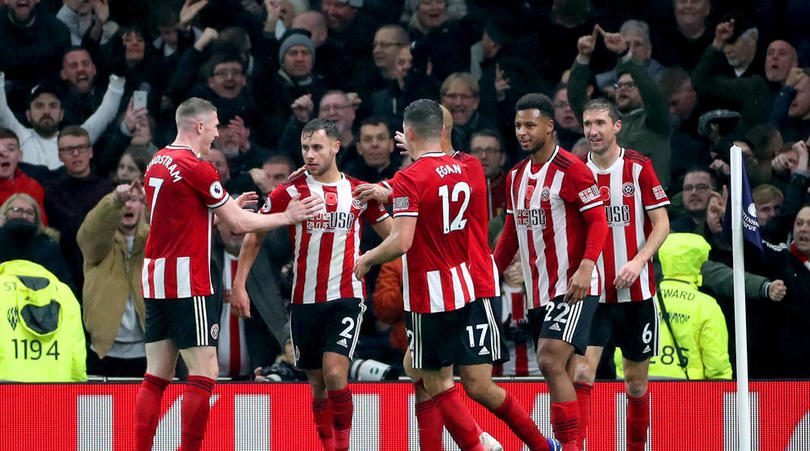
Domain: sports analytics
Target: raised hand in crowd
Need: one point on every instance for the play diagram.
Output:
(794, 77)
(273, 8)
(586, 45)
(126, 191)
(613, 41)
(501, 84)
(189, 11)
(303, 107)
(237, 127)
(722, 33)
(133, 116)
(208, 35)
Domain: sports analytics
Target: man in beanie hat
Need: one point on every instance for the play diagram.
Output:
(293, 79)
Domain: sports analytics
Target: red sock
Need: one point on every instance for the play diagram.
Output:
(638, 420)
(565, 423)
(147, 410)
(194, 411)
(512, 413)
(342, 408)
(323, 423)
(430, 426)
(584, 401)
(458, 420)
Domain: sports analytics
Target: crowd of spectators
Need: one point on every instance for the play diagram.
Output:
(690, 78)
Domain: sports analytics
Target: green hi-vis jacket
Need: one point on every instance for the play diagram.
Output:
(41, 336)
(696, 319)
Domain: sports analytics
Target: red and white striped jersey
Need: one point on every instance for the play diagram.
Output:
(326, 246)
(523, 361)
(181, 191)
(483, 269)
(546, 202)
(629, 188)
(435, 271)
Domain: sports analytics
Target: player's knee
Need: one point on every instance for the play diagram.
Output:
(548, 363)
(636, 387)
(476, 388)
(584, 373)
(335, 378)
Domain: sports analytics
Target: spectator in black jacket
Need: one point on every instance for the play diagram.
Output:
(33, 42)
(70, 196)
(24, 237)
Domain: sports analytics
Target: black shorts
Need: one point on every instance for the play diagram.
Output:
(482, 340)
(436, 340)
(569, 323)
(633, 326)
(187, 322)
(331, 326)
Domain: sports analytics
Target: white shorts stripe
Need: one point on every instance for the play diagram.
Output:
(573, 319)
(183, 277)
(158, 277)
(147, 291)
(495, 334)
(357, 328)
(655, 329)
(197, 319)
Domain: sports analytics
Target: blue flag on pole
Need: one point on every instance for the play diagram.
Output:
(750, 226)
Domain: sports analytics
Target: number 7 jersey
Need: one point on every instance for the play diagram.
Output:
(436, 269)
(181, 192)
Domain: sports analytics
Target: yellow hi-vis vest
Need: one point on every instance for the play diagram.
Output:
(41, 335)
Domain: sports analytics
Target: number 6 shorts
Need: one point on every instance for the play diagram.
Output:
(561, 321)
(633, 326)
(331, 326)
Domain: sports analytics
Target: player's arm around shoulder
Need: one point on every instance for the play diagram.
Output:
(244, 221)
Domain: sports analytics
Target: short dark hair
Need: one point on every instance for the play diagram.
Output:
(700, 168)
(376, 120)
(327, 125)
(536, 101)
(73, 130)
(489, 133)
(425, 117)
(280, 159)
(75, 48)
(8, 134)
(602, 104)
(220, 58)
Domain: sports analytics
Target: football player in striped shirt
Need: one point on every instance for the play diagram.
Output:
(327, 299)
(638, 223)
(430, 200)
(556, 220)
(183, 193)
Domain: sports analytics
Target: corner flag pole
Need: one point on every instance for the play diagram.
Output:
(743, 411)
